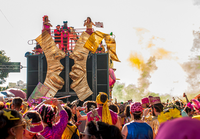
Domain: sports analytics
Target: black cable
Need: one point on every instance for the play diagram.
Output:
(6, 18)
(9, 22)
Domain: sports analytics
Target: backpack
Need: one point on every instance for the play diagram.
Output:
(74, 135)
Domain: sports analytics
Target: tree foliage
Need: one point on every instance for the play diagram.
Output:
(124, 93)
(3, 88)
(25, 90)
(3, 73)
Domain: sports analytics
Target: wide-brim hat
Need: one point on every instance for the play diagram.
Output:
(154, 100)
(145, 100)
(36, 127)
(33, 127)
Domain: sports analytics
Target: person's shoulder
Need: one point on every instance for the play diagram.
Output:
(97, 109)
(72, 126)
(127, 124)
(112, 112)
(147, 125)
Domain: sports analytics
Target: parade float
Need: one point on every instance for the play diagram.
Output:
(76, 65)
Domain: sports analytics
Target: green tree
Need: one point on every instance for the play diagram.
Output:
(118, 91)
(25, 90)
(3, 73)
(124, 93)
(132, 92)
(3, 88)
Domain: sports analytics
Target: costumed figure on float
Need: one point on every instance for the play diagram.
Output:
(112, 77)
(65, 37)
(57, 36)
(46, 24)
(88, 23)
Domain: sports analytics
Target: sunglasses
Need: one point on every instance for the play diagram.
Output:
(23, 125)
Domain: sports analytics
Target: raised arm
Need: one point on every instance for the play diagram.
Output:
(184, 95)
(93, 24)
(85, 23)
(57, 103)
(79, 116)
(37, 107)
(60, 126)
(47, 23)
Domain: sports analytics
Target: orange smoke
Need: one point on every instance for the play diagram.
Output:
(152, 41)
(139, 33)
(161, 53)
(136, 60)
(151, 44)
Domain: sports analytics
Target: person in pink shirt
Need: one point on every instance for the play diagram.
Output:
(106, 115)
(53, 131)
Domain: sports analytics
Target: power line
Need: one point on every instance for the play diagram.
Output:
(6, 18)
(9, 22)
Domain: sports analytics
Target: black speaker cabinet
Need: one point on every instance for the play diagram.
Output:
(97, 74)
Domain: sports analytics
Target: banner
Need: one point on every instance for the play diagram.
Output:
(37, 94)
(99, 24)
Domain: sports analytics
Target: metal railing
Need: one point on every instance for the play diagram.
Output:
(65, 40)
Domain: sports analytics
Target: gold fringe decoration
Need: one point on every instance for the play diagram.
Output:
(85, 44)
(54, 67)
(78, 73)
(95, 39)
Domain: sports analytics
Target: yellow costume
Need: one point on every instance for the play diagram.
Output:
(69, 131)
(154, 123)
(106, 116)
(89, 25)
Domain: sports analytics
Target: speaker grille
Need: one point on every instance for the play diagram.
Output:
(97, 74)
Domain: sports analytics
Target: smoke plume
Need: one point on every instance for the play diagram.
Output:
(192, 68)
(161, 53)
(140, 32)
(147, 69)
(136, 60)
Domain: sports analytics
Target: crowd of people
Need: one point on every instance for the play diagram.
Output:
(100, 119)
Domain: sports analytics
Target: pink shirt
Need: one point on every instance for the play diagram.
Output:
(55, 132)
(99, 110)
